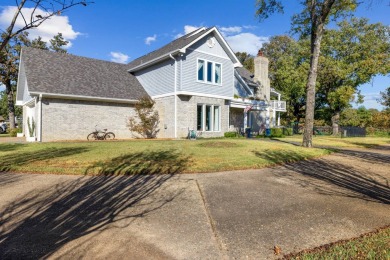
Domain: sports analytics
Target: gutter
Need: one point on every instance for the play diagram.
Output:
(39, 135)
(78, 97)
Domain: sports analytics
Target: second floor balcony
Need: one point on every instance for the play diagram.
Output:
(278, 105)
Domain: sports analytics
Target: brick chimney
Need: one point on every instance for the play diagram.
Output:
(261, 76)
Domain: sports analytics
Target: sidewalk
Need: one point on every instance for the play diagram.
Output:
(240, 214)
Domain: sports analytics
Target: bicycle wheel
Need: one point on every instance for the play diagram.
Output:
(91, 136)
(109, 136)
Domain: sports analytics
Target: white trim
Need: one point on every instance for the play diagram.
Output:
(25, 103)
(221, 57)
(242, 81)
(155, 60)
(205, 70)
(196, 31)
(17, 84)
(188, 93)
(78, 97)
(175, 96)
(39, 119)
(211, 120)
(184, 49)
(218, 34)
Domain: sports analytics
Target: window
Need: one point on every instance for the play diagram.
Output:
(209, 72)
(208, 118)
(201, 70)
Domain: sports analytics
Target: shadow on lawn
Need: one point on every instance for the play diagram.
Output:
(327, 177)
(41, 222)
(6, 147)
(16, 159)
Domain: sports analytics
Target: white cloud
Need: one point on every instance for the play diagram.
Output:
(150, 39)
(230, 30)
(246, 42)
(119, 57)
(187, 29)
(48, 29)
(370, 100)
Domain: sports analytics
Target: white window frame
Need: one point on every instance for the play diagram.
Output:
(205, 71)
(203, 119)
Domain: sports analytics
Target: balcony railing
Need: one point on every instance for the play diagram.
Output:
(278, 105)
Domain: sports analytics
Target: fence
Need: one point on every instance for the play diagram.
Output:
(352, 131)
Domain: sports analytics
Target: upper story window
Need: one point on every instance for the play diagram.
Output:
(209, 72)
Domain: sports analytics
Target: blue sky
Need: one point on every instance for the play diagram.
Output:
(124, 30)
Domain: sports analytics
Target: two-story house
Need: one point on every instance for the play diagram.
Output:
(196, 80)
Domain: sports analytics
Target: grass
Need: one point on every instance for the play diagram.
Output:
(4, 135)
(351, 142)
(375, 245)
(103, 156)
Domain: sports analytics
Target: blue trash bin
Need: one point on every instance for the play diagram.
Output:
(248, 132)
(268, 132)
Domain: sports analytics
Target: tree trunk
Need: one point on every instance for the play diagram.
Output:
(335, 122)
(11, 105)
(311, 88)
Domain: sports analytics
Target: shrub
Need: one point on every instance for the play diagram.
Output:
(230, 134)
(287, 131)
(276, 132)
(31, 126)
(146, 120)
(13, 132)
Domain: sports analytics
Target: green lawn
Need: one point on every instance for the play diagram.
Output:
(353, 142)
(143, 156)
(370, 246)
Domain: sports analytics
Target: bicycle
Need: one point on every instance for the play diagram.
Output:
(101, 135)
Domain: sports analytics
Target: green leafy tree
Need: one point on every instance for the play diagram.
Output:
(146, 120)
(246, 60)
(288, 68)
(58, 43)
(385, 98)
(9, 66)
(350, 57)
(39, 44)
(312, 19)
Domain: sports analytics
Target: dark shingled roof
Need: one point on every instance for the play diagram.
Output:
(246, 75)
(66, 74)
(170, 47)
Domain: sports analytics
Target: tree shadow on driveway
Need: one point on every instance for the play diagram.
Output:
(39, 223)
(333, 178)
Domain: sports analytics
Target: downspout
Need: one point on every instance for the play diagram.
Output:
(175, 95)
(39, 137)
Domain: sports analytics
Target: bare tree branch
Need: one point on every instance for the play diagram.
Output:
(57, 7)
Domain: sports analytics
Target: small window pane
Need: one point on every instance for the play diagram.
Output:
(208, 118)
(209, 71)
(199, 118)
(216, 118)
(201, 70)
(217, 76)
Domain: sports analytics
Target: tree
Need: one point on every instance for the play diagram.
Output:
(385, 98)
(288, 67)
(57, 43)
(350, 57)
(146, 121)
(50, 7)
(39, 44)
(310, 21)
(246, 60)
(9, 68)
(9, 71)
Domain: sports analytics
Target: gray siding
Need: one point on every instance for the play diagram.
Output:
(202, 46)
(158, 79)
(74, 120)
(239, 89)
(189, 75)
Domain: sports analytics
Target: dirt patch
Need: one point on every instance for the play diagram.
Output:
(218, 144)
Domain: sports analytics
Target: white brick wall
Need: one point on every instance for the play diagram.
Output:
(74, 120)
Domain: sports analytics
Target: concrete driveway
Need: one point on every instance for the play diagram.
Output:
(241, 214)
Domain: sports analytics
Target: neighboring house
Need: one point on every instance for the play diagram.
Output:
(196, 80)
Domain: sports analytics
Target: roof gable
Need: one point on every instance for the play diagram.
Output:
(180, 45)
(65, 74)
